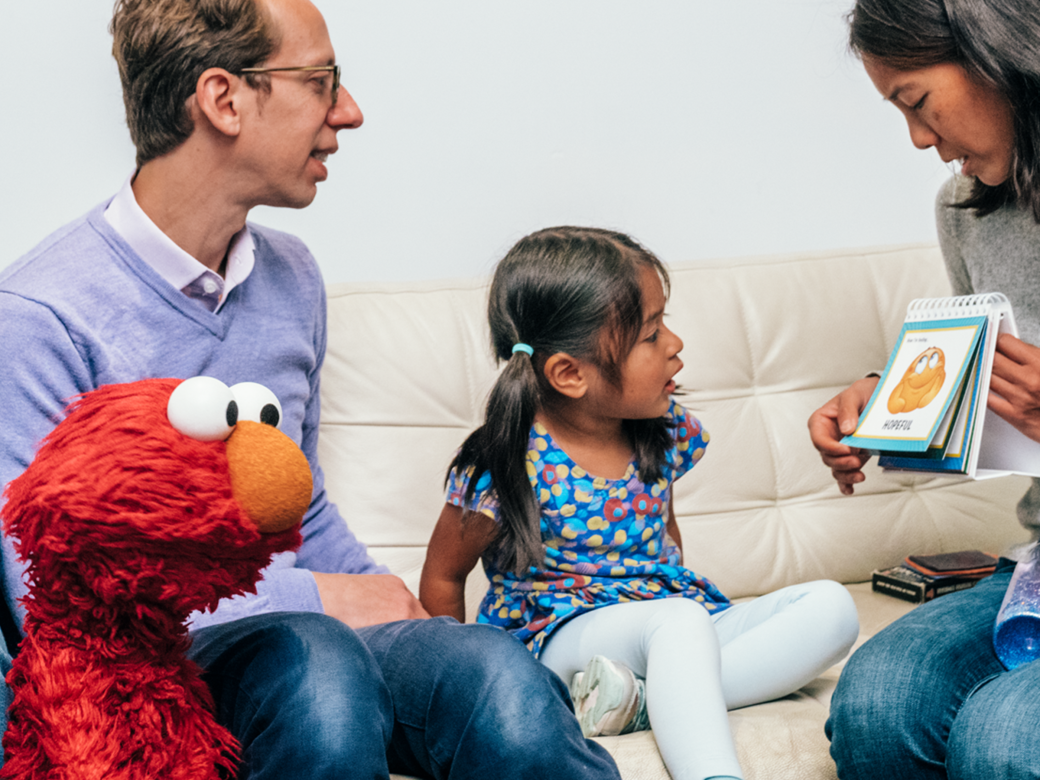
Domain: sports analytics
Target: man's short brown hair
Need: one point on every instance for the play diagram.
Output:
(163, 46)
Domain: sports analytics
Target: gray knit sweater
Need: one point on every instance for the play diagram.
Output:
(996, 253)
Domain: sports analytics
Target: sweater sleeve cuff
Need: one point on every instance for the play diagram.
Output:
(281, 590)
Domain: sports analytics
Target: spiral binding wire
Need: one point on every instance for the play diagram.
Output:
(955, 306)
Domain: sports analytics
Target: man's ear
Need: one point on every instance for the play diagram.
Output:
(566, 375)
(218, 97)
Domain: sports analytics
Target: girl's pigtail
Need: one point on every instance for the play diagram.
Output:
(511, 411)
(651, 440)
(499, 448)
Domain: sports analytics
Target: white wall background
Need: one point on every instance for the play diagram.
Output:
(706, 128)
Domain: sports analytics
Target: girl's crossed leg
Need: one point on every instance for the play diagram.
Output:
(775, 644)
(673, 645)
(697, 665)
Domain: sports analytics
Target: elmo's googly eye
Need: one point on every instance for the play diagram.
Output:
(933, 361)
(203, 408)
(257, 403)
(922, 364)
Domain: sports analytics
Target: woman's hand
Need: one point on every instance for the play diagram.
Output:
(836, 418)
(1015, 384)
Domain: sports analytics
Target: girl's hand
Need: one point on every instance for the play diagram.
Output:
(454, 550)
(672, 528)
(835, 419)
(1015, 384)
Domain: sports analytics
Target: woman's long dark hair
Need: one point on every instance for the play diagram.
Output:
(996, 41)
(565, 289)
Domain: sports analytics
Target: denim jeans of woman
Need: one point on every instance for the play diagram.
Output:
(927, 698)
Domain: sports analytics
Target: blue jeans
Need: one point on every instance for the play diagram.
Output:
(928, 698)
(309, 697)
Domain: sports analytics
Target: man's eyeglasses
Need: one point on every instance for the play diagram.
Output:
(333, 69)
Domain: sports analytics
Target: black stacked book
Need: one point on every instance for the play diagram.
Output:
(924, 577)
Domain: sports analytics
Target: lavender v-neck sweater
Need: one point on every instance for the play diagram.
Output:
(82, 309)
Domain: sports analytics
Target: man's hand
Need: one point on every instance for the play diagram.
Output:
(367, 599)
(1015, 384)
(836, 418)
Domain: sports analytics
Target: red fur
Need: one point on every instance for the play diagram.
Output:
(127, 527)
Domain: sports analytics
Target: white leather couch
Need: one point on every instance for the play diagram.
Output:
(768, 340)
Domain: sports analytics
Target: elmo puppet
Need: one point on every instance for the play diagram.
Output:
(149, 501)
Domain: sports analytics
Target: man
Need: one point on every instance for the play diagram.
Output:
(332, 668)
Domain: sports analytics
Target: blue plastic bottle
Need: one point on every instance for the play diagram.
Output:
(1016, 634)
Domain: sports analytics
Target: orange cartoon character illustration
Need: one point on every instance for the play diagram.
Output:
(921, 382)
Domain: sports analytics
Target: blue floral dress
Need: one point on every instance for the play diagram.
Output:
(605, 539)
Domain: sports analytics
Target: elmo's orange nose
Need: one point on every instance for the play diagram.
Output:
(270, 476)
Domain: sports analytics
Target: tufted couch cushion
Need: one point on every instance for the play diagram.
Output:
(767, 341)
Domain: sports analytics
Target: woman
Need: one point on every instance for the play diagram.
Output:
(927, 697)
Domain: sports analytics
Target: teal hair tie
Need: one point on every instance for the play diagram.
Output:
(521, 347)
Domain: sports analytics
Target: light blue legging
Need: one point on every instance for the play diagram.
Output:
(698, 665)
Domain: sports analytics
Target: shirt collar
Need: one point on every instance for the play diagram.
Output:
(172, 263)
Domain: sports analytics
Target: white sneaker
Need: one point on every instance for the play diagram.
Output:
(609, 699)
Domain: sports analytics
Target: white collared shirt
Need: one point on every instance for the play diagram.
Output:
(171, 262)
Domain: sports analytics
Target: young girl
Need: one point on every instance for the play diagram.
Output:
(565, 493)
